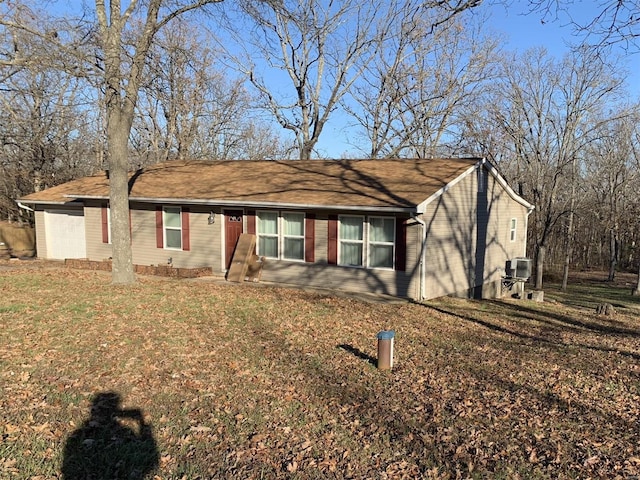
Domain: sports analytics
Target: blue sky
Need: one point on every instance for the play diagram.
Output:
(528, 30)
(521, 30)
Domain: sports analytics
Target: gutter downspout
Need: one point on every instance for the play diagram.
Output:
(24, 207)
(423, 253)
(526, 229)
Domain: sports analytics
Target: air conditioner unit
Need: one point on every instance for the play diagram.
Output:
(519, 268)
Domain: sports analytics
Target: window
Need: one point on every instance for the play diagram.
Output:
(281, 235)
(371, 242)
(293, 236)
(381, 242)
(268, 234)
(172, 221)
(351, 241)
(512, 229)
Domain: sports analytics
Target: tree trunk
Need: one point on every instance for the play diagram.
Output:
(636, 291)
(613, 254)
(117, 141)
(540, 266)
(568, 252)
(569, 238)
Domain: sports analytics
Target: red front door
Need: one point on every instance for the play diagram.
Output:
(233, 229)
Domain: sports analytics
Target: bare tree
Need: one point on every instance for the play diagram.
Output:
(549, 112)
(45, 133)
(320, 48)
(411, 96)
(125, 50)
(189, 108)
(613, 174)
(615, 22)
(45, 112)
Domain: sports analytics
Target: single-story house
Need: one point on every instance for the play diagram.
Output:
(414, 228)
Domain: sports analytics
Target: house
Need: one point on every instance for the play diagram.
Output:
(414, 228)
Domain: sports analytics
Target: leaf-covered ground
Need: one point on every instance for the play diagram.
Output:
(254, 381)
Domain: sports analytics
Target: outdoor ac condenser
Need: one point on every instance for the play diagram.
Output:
(519, 268)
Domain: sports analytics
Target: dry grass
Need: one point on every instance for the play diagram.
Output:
(246, 381)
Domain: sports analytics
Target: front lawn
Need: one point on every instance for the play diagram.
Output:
(250, 381)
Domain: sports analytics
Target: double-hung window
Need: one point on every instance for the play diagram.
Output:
(366, 241)
(351, 237)
(268, 234)
(382, 232)
(281, 235)
(172, 222)
(293, 236)
(513, 229)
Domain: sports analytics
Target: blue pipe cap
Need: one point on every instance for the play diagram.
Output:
(386, 335)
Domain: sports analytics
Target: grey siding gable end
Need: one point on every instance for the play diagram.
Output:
(484, 163)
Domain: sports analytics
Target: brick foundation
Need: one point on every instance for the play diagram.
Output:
(158, 270)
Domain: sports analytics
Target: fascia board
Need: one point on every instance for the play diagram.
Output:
(235, 203)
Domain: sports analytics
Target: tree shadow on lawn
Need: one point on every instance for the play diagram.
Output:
(388, 406)
(546, 340)
(607, 326)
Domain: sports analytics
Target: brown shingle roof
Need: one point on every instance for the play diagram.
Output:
(401, 183)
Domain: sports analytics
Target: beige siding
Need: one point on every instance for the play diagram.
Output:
(41, 236)
(322, 238)
(414, 251)
(461, 256)
(96, 250)
(204, 238)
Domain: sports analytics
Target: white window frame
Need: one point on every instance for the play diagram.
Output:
(165, 227)
(513, 229)
(366, 242)
(362, 242)
(280, 235)
(370, 242)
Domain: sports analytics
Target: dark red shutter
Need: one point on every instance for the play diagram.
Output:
(251, 222)
(401, 244)
(105, 225)
(332, 247)
(309, 238)
(159, 235)
(186, 244)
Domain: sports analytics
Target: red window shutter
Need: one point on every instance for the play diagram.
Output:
(251, 222)
(186, 245)
(401, 245)
(105, 225)
(309, 238)
(159, 233)
(332, 247)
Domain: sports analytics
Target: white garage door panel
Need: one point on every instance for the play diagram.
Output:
(65, 234)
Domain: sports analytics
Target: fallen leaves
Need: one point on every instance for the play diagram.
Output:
(248, 381)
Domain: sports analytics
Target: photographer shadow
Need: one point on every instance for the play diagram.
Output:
(107, 447)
